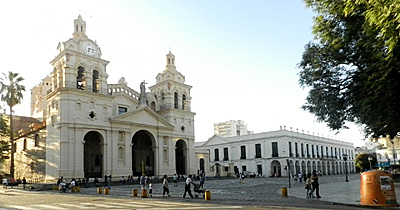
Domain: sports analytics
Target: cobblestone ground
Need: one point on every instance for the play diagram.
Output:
(254, 193)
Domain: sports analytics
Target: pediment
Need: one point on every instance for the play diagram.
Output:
(214, 140)
(142, 116)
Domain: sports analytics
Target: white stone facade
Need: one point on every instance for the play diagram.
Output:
(231, 128)
(96, 129)
(268, 153)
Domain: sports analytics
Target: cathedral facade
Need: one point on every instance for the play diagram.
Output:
(94, 128)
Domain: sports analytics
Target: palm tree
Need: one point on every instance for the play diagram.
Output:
(11, 93)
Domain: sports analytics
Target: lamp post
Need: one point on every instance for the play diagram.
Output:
(394, 154)
(345, 165)
(369, 160)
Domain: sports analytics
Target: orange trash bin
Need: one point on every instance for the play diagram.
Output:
(377, 189)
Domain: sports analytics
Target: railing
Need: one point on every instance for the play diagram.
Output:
(114, 89)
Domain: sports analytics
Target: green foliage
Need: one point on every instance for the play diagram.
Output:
(11, 89)
(352, 66)
(362, 161)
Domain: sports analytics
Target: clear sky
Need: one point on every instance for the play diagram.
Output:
(240, 56)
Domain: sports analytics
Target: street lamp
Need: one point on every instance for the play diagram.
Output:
(394, 153)
(345, 165)
(369, 160)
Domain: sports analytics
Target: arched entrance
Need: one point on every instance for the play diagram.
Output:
(180, 157)
(297, 164)
(142, 154)
(275, 168)
(202, 164)
(93, 156)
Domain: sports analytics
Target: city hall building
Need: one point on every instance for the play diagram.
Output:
(93, 128)
(276, 153)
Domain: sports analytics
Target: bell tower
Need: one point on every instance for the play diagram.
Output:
(173, 96)
(78, 64)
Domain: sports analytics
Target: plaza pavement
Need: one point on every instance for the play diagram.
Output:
(254, 191)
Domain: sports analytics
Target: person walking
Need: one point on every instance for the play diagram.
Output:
(175, 180)
(300, 175)
(165, 186)
(151, 189)
(187, 187)
(315, 183)
(23, 182)
(201, 181)
(309, 187)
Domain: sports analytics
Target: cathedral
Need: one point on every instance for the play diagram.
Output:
(93, 128)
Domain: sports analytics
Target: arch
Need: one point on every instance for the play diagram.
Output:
(143, 154)
(153, 106)
(202, 164)
(314, 166)
(183, 101)
(176, 100)
(180, 156)
(324, 168)
(80, 79)
(303, 167)
(291, 167)
(93, 154)
(297, 166)
(276, 169)
(96, 81)
(309, 170)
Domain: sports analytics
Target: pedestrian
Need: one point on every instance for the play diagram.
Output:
(165, 186)
(201, 181)
(23, 182)
(315, 183)
(151, 189)
(309, 187)
(142, 182)
(187, 187)
(96, 182)
(175, 180)
(123, 180)
(72, 185)
(108, 182)
(241, 178)
(300, 177)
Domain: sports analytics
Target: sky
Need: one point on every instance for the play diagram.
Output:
(240, 56)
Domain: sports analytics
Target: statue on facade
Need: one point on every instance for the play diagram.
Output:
(142, 100)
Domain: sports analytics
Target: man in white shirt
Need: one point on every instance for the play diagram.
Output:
(187, 187)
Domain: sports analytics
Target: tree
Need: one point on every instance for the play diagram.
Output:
(363, 163)
(4, 145)
(11, 93)
(352, 66)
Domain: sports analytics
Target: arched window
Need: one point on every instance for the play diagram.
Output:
(153, 106)
(80, 79)
(96, 83)
(176, 100)
(183, 101)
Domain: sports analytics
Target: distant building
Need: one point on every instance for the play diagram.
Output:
(231, 128)
(387, 151)
(269, 153)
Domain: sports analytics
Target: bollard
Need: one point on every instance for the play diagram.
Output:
(284, 191)
(207, 195)
(99, 190)
(54, 187)
(143, 193)
(106, 191)
(73, 189)
(134, 193)
(78, 189)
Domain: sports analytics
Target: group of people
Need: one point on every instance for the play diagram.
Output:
(312, 185)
